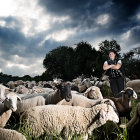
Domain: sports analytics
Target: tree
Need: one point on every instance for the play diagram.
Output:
(85, 58)
(59, 63)
(106, 45)
(131, 63)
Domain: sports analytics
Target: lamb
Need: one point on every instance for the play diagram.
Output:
(6, 108)
(123, 104)
(8, 134)
(68, 120)
(135, 84)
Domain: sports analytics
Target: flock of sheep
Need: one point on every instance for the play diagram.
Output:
(67, 108)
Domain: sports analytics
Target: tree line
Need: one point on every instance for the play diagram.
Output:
(68, 63)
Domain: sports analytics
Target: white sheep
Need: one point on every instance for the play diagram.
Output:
(28, 103)
(6, 108)
(21, 89)
(8, 134)
(135, 84)
(11, 84)
(93, 92)
(19, 82)
(37, 89)
(80, 100)
(68, 120)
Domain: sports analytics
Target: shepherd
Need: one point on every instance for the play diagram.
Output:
(113, 68)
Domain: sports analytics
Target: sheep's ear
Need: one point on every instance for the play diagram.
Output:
(18, 98)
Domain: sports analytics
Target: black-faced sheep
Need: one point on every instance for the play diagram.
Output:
(63, 92)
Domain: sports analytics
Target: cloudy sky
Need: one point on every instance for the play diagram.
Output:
(31, 28)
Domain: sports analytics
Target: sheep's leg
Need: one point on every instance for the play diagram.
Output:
(131, 122)
(134, 119)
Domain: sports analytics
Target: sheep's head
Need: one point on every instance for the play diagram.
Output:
(130, 92)
(10, 101)
(109, 114)
(86, 82)
(94, 93)
(65, 91)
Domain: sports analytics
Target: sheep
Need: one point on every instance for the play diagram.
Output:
(93, 92)
(30, 84)
(21, 89)
(8, 134)
(127, 79)
(84, 85)
(123, 104)
(80, 100)
(37, 89)
(6, 108)
(28, 103)
(93, 80)
(63, 92)
(68, 120)
(19, 82)
(81, 85)
(135, 84)
(11, 84)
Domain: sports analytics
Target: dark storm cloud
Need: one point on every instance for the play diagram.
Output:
(135, 34)
(84, 12)
(9, 39)
(81, 12)
(133, 38)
